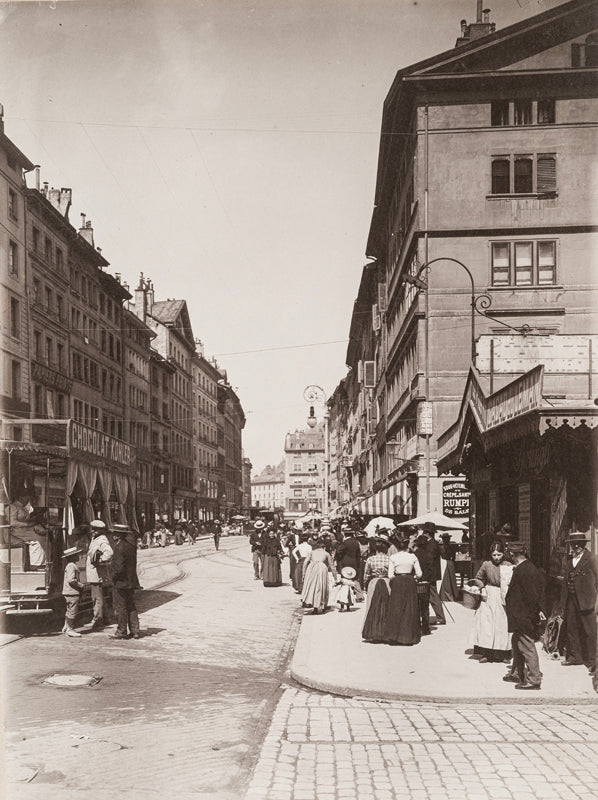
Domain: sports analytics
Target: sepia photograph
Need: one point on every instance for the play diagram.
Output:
(298, 399)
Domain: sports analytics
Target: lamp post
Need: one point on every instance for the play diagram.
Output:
(479, 304)
(315, 394)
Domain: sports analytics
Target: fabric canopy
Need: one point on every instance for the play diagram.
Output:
(391, 500)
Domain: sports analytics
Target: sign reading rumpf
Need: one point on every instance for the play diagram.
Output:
(455, 499)
(95, 443)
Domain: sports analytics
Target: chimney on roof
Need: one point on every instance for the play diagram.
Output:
(61, 200)
(481, 27)
(37, 178)
(86, 231)
(150, 296)
(1, 118)
(140, 301)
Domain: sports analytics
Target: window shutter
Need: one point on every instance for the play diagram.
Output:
(369, 374)
(546, 174)
(500, 176)
(382, 297)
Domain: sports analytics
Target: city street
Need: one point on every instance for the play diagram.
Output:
(202, 706)
(178, 713)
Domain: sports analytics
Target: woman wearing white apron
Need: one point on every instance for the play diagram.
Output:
(491, 639)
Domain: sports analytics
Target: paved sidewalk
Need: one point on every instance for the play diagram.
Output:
(331, 656)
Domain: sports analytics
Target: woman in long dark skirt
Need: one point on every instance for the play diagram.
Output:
(273, 553)
(402, 625)
(375, 576)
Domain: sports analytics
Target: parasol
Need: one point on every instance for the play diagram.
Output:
(379, 522)
(436, 518)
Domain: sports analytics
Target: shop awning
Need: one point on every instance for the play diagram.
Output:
(390, 501)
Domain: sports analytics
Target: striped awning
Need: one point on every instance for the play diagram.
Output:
(390, 501)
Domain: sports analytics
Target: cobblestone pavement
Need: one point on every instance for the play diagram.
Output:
(321, 747)
(177, 713)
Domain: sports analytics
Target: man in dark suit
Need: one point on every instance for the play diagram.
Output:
(348, 554)
(523, 616)
(427, 551)
(124, 583)
(578, 598)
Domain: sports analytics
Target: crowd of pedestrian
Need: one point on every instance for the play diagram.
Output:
(397, 572)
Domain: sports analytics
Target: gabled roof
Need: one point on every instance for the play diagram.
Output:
(174, 315)
(513, 43)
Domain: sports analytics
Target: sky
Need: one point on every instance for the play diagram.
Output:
(227, 149)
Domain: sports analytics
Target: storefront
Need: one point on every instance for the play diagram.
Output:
(56, 475)
(529, 462)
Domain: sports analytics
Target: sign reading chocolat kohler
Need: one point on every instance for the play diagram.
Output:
(95, 443)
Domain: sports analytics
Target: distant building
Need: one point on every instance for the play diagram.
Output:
(231, 421)
(268, 488)
(205, 433)
(246, 483)
(304, 474)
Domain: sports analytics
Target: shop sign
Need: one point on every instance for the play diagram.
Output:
(515, 399)
(101, 445)
(455, 499)
(49, 377)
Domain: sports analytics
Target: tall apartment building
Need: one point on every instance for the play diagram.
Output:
(205, 433)
(137, 343)
(304, 470)
(14, 341)
(63, 383)
(481, 190)
(230, 449)
(174, 341)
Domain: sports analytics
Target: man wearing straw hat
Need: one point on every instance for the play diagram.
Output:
(578, 598)
(71, 590)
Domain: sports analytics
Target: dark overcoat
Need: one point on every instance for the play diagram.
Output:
(584, 577)
(124, 564)
(523, 599)
(348, 553)
(428, 556)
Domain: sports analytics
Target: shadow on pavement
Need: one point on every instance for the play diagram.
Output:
(148, 599)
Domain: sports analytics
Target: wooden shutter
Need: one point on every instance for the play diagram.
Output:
(546, 174)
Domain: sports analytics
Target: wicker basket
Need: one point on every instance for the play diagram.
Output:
(470, 599)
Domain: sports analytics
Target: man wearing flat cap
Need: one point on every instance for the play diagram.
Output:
(578, 599)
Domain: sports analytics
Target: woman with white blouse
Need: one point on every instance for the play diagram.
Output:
(402, 624)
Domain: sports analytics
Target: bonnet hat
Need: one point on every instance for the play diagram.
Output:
(348, 572)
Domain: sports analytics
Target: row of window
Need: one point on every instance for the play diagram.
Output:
(52, 255)
(522, 112)
(524, 174)
(521, 263)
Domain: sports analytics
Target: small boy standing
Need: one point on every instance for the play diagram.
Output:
(71, 590)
